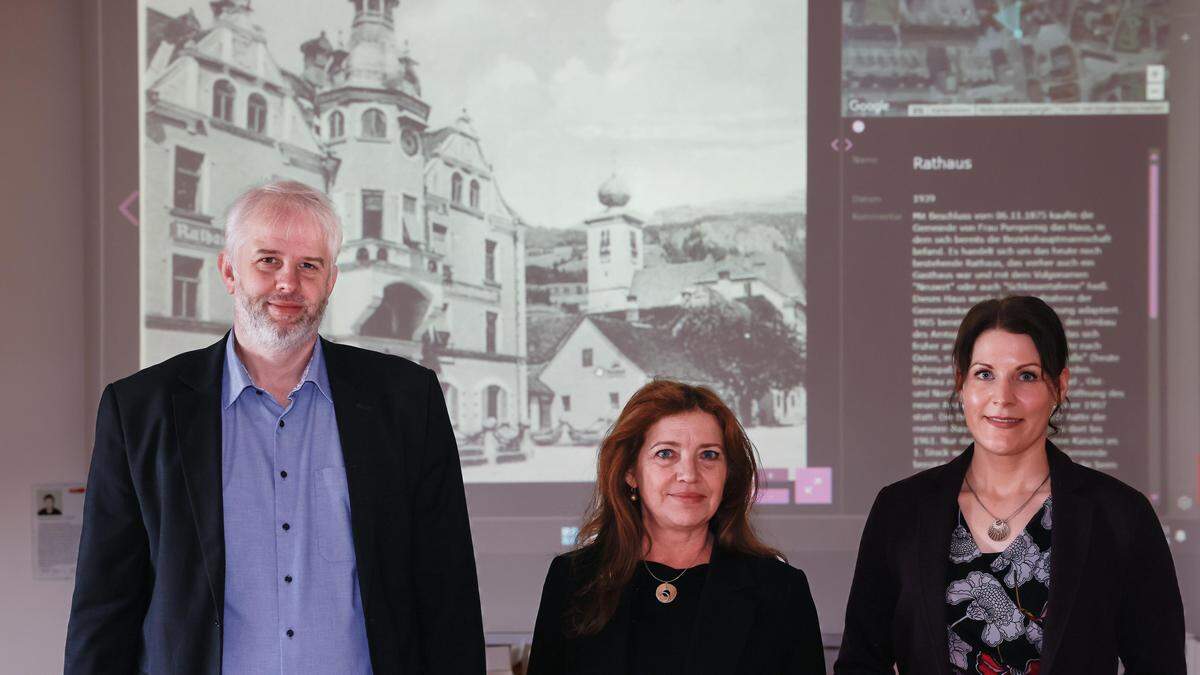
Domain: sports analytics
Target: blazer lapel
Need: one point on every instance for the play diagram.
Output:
(358, 413)
(1070, 540)
(724, 616)
(934, 527)
(197, 411)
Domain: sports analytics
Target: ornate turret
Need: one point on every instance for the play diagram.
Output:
(408, 83)
(374, 59)
(235, 10)
(317, 53)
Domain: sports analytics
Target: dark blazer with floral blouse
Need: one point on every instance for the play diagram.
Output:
(1113, 590)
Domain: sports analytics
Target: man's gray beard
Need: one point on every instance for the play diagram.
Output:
(255, 325)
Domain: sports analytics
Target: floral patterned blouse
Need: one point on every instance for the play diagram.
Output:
(996, 602)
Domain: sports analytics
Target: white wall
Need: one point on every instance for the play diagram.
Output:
(43, 420)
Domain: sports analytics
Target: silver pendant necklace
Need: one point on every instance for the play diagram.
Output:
(999, 529)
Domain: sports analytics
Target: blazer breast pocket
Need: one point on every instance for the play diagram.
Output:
(335, 539)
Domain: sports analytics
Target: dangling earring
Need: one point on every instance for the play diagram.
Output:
(633, 494)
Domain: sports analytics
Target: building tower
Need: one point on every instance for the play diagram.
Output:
(373, 119)
(615, 249)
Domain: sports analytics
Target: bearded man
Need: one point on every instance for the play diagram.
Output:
(276, 503)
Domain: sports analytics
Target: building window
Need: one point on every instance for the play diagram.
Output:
(362, 255)
(491, 318)
(439, 236)
(566, 403)
(187, 178)
(614, 400)
(605, 242)
(185, 282)
(633, 245)
(474, 194)
(456, 188)
(495, 403)
(372, 214)
(489, 260)
(337, 125)
(256, 113)
(410, 205)
(748, 288)
(373, 6)
(223, 94)
(587, 358)
(373, 124)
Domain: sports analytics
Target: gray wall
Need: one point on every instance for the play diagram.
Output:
(44, 406)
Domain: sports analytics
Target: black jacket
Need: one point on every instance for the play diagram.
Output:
(756, 615)
(150, 581)
(1113, 592)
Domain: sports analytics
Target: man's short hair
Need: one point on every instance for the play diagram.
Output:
(280, 204)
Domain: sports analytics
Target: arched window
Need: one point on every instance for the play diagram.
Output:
(223, 94)
(256, 113)
(495, 403)
(362, 255)
(456, 188)
(373, 124)
(400, 313)
(474, 194)
(373, 5)
(337, 125)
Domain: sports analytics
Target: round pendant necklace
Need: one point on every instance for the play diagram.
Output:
(999, 529)
(666, 591)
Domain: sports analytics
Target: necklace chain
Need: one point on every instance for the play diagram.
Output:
(669, 581)
(665, 581)
(1018, 510)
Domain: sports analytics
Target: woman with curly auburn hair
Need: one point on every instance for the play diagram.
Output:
(670, 576)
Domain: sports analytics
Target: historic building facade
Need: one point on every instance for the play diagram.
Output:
(432, 266)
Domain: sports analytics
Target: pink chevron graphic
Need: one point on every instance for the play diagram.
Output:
(126, 210)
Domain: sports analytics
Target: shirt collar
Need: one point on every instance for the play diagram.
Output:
(237, 379)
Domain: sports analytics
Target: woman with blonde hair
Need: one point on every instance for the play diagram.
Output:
(670, 576)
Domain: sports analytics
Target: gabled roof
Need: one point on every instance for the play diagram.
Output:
(663, 285)
(536, 386)
(544, 335)
(654, 350)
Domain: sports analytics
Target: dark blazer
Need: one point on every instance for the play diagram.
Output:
(1113, 592)
(151, 574)
(756, 616)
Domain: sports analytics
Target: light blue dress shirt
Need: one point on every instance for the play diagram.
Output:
(292, 602)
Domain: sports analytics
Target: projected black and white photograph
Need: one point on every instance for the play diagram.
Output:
(547, 203)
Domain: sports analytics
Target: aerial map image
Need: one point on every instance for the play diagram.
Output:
(899, 57)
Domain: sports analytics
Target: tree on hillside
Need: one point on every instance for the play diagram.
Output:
(747, 347)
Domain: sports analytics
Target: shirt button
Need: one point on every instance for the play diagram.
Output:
(288, 579)
(258, 392)
(286, 527)
(280, 424)
(290, 632)
(283, 474)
